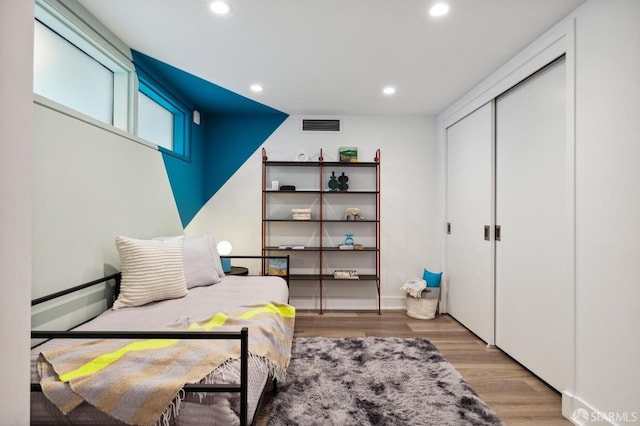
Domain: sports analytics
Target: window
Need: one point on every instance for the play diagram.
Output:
(80, 66)
(65, 74)
(162, 119)
(155, 122)
(78, 63)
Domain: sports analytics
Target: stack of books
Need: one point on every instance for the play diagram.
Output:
(301, 214)
(345, 274)
(351, 247)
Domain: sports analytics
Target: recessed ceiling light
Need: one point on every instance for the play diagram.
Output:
(389, 90)
(219, 7)
(257, 88)
(439, 9)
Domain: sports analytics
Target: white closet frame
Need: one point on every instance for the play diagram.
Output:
(558, 41)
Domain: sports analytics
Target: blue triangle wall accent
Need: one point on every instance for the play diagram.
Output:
(232, 128)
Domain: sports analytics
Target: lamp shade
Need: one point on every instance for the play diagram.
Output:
(224, 248)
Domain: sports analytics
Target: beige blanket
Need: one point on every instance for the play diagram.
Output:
(138, 381)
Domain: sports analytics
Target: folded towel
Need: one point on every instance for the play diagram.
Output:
(414, 287)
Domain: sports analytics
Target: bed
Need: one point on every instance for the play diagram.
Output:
(254, 351)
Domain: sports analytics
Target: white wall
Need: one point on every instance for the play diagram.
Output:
(408, 186)
(607, 364)
(90, 184)
(16, 57)
(602, 43)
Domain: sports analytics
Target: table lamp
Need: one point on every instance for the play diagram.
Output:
(224, 249)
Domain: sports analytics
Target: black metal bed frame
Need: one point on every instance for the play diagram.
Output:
(242, 335)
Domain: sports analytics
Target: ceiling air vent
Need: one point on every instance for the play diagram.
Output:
(309, 125)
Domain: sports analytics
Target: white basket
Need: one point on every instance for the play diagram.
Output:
(423, 308)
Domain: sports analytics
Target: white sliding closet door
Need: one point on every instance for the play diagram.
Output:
(533, 257)
(469, 210)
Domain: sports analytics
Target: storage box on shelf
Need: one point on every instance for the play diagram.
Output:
(330, 222)
(301, 214)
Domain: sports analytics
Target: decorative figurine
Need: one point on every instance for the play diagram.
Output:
(333, 182)
(352, 213)
(348, 241)
(342, 182)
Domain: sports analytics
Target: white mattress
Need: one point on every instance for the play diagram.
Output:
(200, 303)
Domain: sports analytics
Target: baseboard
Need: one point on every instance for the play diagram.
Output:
(581, 413)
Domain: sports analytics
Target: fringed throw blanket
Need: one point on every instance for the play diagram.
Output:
(139, 381)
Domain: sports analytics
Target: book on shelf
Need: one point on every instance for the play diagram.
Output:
(345, 274)
(351, 247)
(289, 247)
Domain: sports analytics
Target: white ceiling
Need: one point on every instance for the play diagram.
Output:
(333, 57)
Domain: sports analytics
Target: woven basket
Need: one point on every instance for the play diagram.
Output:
(426, 307)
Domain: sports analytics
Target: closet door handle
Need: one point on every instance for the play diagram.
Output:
(487, 237)
(448, 228)
(498, 232)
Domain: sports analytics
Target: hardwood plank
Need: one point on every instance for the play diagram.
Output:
(516, 395)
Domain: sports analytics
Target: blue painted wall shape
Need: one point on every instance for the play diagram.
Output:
(232, 128)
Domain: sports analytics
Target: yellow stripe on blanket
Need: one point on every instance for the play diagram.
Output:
(215, 321)
(105, 360)
(285, 311)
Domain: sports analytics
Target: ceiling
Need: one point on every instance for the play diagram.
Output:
(333, 57)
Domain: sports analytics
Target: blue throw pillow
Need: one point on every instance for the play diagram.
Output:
(432, 278)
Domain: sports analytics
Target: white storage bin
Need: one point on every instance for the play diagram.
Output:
(426, 307)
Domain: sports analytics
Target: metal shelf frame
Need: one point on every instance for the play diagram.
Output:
(321, 167)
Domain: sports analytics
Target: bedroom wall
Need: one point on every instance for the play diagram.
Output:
(186, 178)
(408, 185)
(608, 209)
(90, 184)
(16, 57)
(602, 37)
(231, 128)
(232, 138)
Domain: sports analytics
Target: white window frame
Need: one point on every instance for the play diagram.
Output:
(181, 146)
(72, 22)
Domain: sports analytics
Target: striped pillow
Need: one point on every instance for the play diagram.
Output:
(152, 270)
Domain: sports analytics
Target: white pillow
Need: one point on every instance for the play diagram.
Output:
(216, 255)
(199, 261)
(152, 270)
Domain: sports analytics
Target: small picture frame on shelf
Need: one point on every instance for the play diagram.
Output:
(277, 267)
(348, 154)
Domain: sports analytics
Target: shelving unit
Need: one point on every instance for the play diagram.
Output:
(320, 254)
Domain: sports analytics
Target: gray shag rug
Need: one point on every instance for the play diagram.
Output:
(374, 381)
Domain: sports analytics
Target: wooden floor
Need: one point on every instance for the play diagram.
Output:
(513, 393)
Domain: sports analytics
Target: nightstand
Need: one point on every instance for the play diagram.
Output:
(238, 270)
